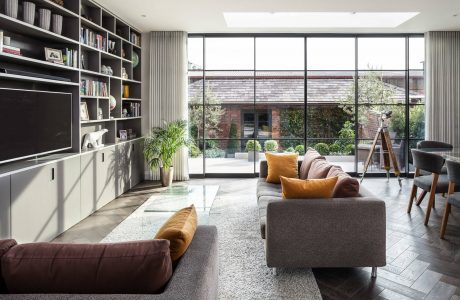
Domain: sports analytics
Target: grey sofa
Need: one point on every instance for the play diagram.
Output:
(322, 233)
(195, 276)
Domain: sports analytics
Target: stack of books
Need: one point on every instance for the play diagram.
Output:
(93, 88)
(70, 57)
(135, 39)
(135, 109)
(11, 50)
(93, 39)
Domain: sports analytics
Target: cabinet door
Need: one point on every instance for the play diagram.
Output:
(106, 170)
(5, 231)
(68, 186)
(88, 202)
(123, 167)
(34, 205)
(137, 163)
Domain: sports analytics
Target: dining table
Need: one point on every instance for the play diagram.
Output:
(447, 154)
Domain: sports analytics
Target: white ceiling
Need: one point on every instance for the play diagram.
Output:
(205, 16)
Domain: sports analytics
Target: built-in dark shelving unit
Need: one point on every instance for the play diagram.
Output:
(78, 15)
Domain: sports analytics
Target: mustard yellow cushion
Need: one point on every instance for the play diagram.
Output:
(293, 188)
(281, 165)
(179, 229)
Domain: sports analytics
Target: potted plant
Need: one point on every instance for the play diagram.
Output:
(271, 146)
(253, 148)
(161, 146)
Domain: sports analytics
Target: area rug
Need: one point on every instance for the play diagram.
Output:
(243, 273)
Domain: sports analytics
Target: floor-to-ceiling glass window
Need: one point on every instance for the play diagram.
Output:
(252, 94)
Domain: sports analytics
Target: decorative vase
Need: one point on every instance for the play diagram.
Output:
(57, 24)
(44, 20)
(28, 10)
(126, 91)
(166, 177)
(11, 8)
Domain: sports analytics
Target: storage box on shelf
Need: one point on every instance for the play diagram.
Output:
(91, 38)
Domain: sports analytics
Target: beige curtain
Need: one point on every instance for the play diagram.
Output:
(168, 88)
(443, 86)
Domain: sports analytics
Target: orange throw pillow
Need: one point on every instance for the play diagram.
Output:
(281, 165)
(179, 229)
(308, 189)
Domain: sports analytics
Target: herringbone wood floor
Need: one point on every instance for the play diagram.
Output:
(419, 264)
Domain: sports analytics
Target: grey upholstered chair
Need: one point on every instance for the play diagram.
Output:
(453, 173)
(434, 145)
(433, 183)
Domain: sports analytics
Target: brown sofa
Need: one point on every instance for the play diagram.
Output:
(195, 276)
(335, 232)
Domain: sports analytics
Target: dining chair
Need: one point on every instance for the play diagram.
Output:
(432, 145)
(453, 174)
(433, 183)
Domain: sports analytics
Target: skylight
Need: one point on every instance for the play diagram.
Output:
(317, 19)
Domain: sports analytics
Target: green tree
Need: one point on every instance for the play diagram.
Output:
(372, 91)
(213, 113)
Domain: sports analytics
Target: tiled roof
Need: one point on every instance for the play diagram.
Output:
(236, 90)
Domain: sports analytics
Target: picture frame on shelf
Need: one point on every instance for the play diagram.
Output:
(54, 56)
(123, 135)
(84, 115)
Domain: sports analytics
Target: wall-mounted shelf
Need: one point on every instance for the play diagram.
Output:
(36, 79)
(32, 61)
(23, 28)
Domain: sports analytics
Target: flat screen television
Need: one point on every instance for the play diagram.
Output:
(34, 123)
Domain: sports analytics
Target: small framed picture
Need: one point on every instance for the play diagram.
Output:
(123, 135)
(84, 115)
(54, 55)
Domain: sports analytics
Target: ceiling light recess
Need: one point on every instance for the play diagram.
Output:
(317, 19)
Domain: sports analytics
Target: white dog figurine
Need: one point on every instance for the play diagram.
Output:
(93, 139)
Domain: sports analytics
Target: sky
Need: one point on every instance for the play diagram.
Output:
(287, 53)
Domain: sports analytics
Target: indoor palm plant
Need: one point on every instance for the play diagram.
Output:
(161, 146)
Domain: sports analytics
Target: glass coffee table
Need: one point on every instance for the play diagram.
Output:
(177, 197)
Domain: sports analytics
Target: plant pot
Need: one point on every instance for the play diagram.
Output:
(44, 20)
(57, 24)
(28, 11)
(11, 8)
(253, 156)
(166, 177)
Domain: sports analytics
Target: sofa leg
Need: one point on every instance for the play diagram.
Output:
(274, 271)
(374, 272)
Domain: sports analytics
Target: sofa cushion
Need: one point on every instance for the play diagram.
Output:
(346, 185)
(267, 189)
(281, 165)
(179, 229)
(319, 169)
(142, 267)
(308, 188)
(5, 246)
(311, 155)
(262, 205)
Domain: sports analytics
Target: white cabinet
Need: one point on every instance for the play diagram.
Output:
(45, 201)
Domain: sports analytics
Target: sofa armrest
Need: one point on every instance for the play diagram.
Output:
(340, 232)
(195, 276)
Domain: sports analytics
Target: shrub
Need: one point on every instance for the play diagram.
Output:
(214, 153)
(300, 149)
(252, 145)
(271, 145)
(193, 150)
(334, 148)
(211, 144)
(290, 149)
(349, 149)
(322, 148)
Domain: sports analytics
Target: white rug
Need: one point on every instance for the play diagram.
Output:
(243, 273)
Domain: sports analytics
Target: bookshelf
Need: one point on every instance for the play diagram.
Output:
(103, 41)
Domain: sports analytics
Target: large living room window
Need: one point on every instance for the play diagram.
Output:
(298, 91)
